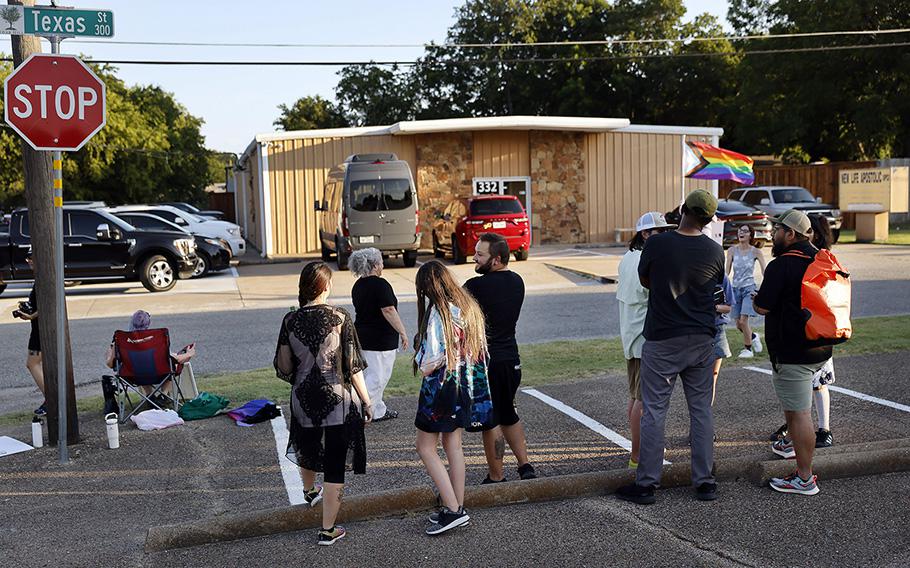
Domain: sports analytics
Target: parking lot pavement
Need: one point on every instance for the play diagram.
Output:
(105, 500)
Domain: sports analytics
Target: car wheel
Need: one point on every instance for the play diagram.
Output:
(410, 258)
(521, 254)
(157, 274)
(835, 233)
(341, 257)
(203, 266)
(326, 253)
(458, 256)
(437, 252)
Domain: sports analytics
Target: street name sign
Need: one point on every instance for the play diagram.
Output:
(55, 21)
(55, 102)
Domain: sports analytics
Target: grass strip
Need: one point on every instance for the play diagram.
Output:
(542, 364)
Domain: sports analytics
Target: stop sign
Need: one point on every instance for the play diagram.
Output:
(55, 102)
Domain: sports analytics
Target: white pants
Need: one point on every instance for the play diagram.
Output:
(377, 375)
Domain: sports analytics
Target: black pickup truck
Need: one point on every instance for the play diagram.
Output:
(99, 246)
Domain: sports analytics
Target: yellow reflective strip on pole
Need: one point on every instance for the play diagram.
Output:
(58, 202)
(58, 183)
(58, 164)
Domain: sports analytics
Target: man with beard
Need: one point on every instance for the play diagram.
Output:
(794, 360)
(500, 293)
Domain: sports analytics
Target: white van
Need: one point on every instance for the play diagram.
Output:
(369, 201)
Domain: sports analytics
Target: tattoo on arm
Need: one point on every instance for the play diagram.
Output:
(500, 447)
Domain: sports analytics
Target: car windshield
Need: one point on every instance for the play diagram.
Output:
(793, 195)
(381, 195)
(495, 207)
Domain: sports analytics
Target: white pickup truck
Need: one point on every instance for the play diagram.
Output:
(776, 199)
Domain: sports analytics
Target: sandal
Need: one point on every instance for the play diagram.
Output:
(389, 414)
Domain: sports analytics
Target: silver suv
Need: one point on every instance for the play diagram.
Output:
(776, 199)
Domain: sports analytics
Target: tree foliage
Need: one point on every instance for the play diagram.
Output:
(151, 149)
(310, 113)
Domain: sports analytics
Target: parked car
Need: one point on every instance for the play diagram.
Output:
(193, 223)
(183, 206)
(99, 246)
(735, 214)
(369, 201)
(212, 255)
(776, 199)
(457, 228)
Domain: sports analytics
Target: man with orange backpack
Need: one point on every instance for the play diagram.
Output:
(797, 345)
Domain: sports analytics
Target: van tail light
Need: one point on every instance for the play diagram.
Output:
(344, 224)
(416, 223)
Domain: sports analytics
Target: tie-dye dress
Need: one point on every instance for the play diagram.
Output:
(451, 398)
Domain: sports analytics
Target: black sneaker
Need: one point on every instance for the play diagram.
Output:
(434, 517)
(526, 471)
(488, 481)
(328, 538)
(448, 520)
(706, 492)
(313, 496)
(41, 410)
(636, 494)
(389, 415)
(780, 433)
(824, 439)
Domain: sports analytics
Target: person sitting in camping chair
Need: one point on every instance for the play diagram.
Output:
(154, 393)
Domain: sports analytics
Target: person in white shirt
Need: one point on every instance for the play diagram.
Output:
(633, 307)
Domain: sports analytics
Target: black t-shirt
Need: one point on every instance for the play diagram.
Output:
(370, 294)
(683, 272)
(500, 295)
(785, 323)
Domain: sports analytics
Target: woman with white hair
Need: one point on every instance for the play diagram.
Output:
(378, 325)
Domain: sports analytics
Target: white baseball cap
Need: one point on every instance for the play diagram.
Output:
(652, 220)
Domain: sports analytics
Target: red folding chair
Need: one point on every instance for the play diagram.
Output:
(143, 359)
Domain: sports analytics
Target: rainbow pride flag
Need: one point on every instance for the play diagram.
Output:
(710, 162)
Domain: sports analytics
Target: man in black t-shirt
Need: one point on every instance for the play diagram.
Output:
(794, 360)
(500, 293)
(681, 270)
(28, 311)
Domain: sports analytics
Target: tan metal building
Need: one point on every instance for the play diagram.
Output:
(581, 179)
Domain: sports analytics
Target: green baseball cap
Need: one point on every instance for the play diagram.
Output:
(796, 220)
(702, 203)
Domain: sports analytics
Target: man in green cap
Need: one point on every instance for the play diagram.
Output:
(681, 269)
(794, 360)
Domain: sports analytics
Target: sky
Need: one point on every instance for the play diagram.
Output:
(237, 103)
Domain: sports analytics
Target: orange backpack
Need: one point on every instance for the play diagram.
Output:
(825, 299)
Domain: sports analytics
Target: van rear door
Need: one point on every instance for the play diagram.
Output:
(381, 209)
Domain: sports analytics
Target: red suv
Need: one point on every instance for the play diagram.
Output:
(458, 226)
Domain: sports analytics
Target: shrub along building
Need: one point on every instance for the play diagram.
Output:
(581, 180)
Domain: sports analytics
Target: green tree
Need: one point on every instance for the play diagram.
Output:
(373, 95)
(310, 113)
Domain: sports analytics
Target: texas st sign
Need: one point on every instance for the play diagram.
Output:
(55, 102)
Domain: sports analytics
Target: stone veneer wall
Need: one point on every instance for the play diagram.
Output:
(558, 186)
(445, 168)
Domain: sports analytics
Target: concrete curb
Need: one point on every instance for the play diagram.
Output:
(838, 462)
(582, 273)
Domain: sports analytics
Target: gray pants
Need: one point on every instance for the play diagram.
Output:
(692, 358)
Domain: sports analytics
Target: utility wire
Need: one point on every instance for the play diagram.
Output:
(496, 61)
(499, 45)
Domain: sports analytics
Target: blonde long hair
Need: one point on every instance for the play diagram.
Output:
(436, 287)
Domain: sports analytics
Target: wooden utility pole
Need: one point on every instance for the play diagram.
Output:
(39, 198)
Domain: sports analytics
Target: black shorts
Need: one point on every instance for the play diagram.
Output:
(34, 339)
(505, 378)
(328, 457)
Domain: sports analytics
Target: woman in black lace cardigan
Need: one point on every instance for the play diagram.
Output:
(319, 354)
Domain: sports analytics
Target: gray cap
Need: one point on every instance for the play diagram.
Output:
(796, 220)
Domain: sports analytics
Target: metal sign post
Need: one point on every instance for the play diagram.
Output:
(59, 317)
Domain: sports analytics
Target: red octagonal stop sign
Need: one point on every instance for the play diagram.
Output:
(55, 102)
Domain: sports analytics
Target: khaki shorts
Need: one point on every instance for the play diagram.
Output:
(633, 368)
(793, 385)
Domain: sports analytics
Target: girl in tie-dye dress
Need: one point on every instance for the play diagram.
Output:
(450, 355)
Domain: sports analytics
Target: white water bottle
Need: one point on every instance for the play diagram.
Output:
(37, 433)
(113, 431)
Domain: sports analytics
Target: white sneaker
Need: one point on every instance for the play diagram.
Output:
(746, 354)
(756, 343)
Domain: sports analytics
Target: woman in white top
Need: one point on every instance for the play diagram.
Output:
(633, 307)
(741, 259)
